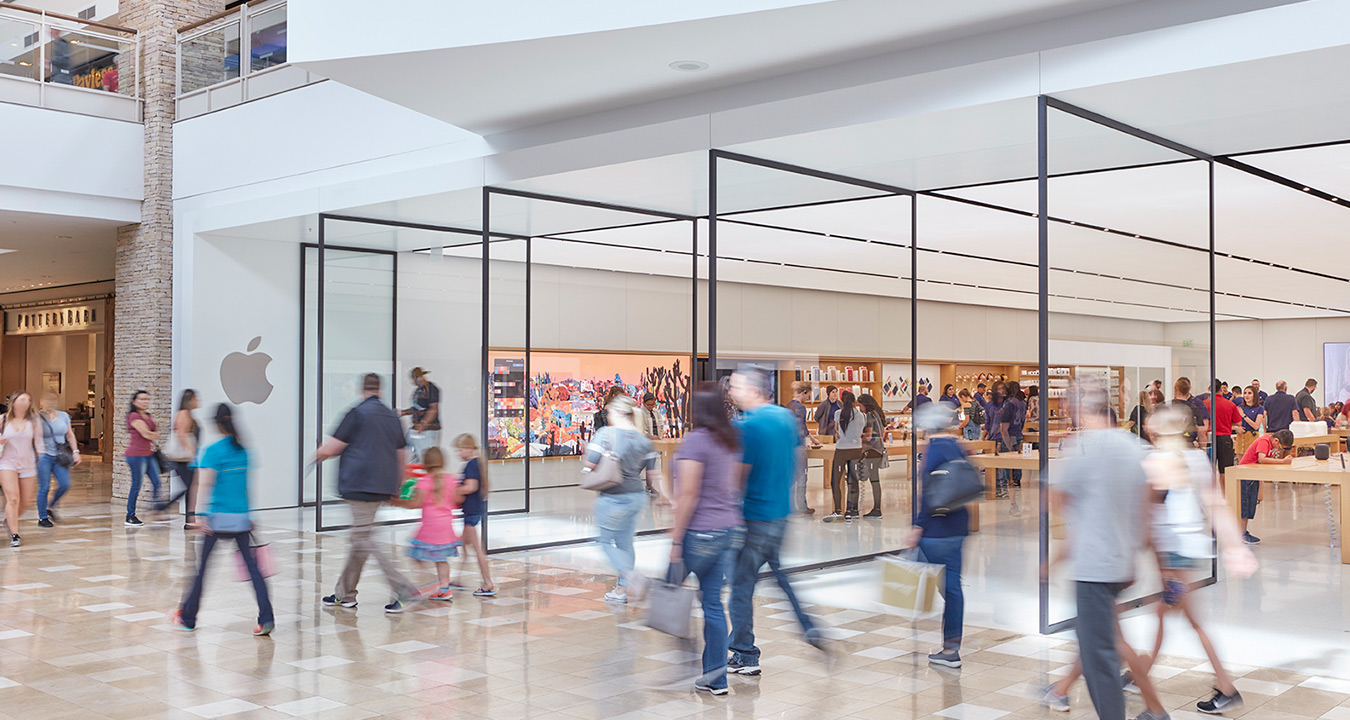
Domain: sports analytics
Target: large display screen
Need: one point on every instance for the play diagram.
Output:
(1336, 370)
(564, 393)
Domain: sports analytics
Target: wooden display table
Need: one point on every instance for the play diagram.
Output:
(894, 450)
(1332, 439)
(1302, 470)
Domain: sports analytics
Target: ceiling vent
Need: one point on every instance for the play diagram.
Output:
(88, 13)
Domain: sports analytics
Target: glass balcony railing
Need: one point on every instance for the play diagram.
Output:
(231, 46)
(49, 48)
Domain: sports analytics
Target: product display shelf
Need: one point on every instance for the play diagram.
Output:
(968, 376)
(865, 379)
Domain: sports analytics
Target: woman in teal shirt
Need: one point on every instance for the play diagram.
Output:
(223, 471)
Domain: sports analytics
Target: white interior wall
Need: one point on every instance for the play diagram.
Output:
(1268, 350)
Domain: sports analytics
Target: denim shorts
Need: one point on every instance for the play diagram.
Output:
(473, 520)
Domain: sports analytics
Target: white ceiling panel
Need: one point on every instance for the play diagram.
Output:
(1326, 168)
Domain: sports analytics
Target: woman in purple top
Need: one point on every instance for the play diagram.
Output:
(708, 528)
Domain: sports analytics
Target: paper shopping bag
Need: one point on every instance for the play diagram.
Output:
(910, 585)
(262, 554)
(670, 605)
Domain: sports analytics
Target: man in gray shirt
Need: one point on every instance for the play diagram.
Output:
(1101, 485)
(1306, 403)
(374, 457)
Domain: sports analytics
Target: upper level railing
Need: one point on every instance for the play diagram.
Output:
(235, 56)
(62, 62)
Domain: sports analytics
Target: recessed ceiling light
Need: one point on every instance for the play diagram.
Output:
(688, 65)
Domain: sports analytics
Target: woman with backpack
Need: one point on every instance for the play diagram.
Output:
(971, 415)
(941, 538)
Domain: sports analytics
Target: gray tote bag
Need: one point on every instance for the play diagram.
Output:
(670, 605)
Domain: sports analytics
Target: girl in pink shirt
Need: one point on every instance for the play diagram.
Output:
(435, 540)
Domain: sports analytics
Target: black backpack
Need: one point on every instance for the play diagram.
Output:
(951, 486)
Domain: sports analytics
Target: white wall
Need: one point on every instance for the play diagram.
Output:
(243, 289)
(324, 125)
(1268, 350)
(62, 163)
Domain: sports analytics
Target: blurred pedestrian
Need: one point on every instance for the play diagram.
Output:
(59, 453)
(374, 456)
(224, 473)
(708, 529)
(941, 537)
(769, 444)
(1102, 487)
(20, 438)
(1183, 495)
(142, 434)
(874, 457)
(184, 439)
(473, 493)
(618, 507)
(435, 540)
(601, 417)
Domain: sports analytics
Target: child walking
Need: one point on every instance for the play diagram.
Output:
(473, 490)
(435, 540)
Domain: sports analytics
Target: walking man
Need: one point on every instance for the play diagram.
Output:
(370, 441)
(769, 440)
(1103, 490)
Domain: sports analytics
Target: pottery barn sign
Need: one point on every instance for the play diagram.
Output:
(84, 317)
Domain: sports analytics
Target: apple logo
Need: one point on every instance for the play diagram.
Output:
(244, 377)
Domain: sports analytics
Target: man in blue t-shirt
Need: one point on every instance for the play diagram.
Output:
(1280, 408)
(769, 440)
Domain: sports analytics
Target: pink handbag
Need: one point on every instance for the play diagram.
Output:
(263, 555)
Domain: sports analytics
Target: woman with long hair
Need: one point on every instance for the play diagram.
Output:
(617, 508)
(187, 436)
(708, 525)
(602, 415)
(874, 449)
(847, 452)
(20, 438)
(473, 492)
(224, 472)
(142, 434)
(1253, 412)
(56, 431)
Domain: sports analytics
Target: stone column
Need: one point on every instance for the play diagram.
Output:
(143, 349)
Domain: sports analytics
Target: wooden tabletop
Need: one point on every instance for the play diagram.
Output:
(1335, 471)
(1332, 439)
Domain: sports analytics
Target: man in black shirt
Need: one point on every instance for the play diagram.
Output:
(426, 414)
(1307, 404)
(370, 441)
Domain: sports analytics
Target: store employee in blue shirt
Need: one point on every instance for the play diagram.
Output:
(769, 440)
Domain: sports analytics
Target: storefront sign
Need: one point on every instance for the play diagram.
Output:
(84, 317)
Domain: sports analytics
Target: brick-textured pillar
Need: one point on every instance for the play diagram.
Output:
(143, 350)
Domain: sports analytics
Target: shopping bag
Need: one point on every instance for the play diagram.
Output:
(670, 605)
(909, 584)
(261, 553)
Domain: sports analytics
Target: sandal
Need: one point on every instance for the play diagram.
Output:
(485, 592)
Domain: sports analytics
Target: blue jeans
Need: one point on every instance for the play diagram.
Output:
(972, 432)
(763, 540)
(947, 552)
(616, 515)
(141, 466)
(46, 468)
(1003, 477)
(194, 596)
(708, 554)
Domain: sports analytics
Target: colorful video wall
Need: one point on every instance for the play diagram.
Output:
(559, 400)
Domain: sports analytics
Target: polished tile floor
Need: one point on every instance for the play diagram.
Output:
(83, 634)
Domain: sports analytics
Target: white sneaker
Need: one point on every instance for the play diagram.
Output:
(833, 517)
(616, 596)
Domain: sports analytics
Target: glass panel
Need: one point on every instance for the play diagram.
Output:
(1129, 299)
(507, 411)
(358, 337)
(814, 284)
(19, 48)
(210, 58)
(85, 60)
(267, 39)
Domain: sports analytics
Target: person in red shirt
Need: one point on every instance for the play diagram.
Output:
(1269, 449)
(1226, 416)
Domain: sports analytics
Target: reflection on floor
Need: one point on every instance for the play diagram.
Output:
(83, 634)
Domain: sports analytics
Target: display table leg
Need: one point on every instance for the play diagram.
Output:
(1231, 495)
(990, 480)
(1345, 503)
(974, 515)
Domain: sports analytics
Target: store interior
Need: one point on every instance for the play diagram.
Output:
(904, 252)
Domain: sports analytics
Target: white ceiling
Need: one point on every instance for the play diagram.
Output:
(487, 88)
(53, 250)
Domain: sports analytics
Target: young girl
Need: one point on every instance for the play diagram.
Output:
(435, 541)
(473, 490)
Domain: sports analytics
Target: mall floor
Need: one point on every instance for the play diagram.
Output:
(83, 633)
